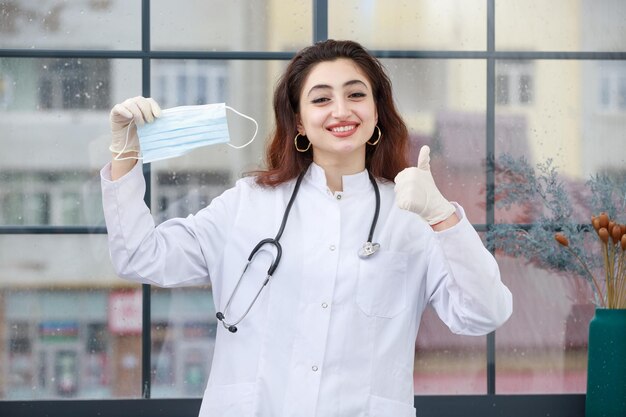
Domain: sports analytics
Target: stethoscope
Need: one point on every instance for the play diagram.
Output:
(368, 249)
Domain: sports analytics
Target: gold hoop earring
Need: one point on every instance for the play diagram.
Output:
(377, 139)
(295, 141)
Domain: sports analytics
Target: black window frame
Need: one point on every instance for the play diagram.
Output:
(489, 404)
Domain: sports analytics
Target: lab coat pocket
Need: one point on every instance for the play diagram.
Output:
(384, 407)
(234, 400)
(381, 288)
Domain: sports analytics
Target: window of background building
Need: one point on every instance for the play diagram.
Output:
(190, 82)
(74, 84)
(612, 91)
(186, 192)
(70, 329)
(514, 83)
(48, 198)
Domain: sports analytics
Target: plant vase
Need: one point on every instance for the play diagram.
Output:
(606, 366)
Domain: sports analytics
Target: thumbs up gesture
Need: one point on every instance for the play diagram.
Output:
(416, 191)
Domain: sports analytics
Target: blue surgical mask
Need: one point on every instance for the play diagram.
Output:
(181, 129)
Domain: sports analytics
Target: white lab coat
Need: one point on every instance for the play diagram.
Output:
(332, 334)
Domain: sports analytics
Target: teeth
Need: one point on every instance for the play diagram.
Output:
(342, 128)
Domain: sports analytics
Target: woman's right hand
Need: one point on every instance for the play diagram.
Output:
(139, 110)
(124, 118)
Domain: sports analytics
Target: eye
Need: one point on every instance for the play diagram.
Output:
(358, 94)
(320, 100)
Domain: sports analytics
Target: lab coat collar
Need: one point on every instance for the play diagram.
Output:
(354, 183)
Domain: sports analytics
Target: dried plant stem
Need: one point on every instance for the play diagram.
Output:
(608, 275)
(612, 252)
(621, 280)
(614, 259)
(595, 283)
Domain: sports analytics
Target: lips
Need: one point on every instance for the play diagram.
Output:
(342, 130)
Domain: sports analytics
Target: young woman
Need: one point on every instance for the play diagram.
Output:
(322, 323)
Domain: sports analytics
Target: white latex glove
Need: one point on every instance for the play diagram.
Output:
(416, 191)
(138, 110)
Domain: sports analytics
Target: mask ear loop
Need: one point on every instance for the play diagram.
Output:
(256, 130)
(117, 157)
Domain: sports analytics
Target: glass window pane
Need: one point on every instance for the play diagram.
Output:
(55, 136)
(446, 363)
(443, 103)
(561, 25)
(183, 320)
(419, 24)
(183, 340)
(70, 328)
(572, 120)
(237, 25)
(542, 348)
(100, 24)
(565, 162)
(186, 184)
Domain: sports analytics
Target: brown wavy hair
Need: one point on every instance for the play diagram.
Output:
(383, 160)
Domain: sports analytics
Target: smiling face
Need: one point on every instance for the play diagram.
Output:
(337, 113)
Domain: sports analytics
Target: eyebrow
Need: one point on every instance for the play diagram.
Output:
(326, 86)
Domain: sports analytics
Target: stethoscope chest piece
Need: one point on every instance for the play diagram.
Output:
(368, 249)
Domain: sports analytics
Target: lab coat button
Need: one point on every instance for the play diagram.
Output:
(314, 368)
(332, 247)
(338, 196)
(324, 305)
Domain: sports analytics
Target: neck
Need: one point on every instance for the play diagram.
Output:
(336, 169)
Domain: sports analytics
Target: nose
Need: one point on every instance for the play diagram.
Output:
(341, 110)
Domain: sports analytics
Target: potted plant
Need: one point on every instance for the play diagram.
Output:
(595, 252)
(606, 364)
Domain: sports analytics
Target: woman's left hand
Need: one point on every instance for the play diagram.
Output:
(416, 191)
